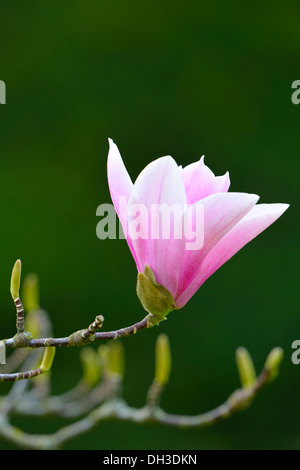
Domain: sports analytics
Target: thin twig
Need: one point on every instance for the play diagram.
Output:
(82, 337)
(14, 361)
(119, 410)
(154, 394)
(28, 374)
(17, 390)
(56, 406)
(20, 322)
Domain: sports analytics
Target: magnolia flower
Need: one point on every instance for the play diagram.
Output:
(169, 273)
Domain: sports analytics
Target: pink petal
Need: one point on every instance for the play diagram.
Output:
(119, 180)
(222, 211)
(120, 186)
(200, 181)
(159, 183)
(256, 221)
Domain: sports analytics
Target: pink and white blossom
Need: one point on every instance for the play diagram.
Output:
(231, 219)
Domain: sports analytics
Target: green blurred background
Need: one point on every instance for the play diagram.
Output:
(179, 78)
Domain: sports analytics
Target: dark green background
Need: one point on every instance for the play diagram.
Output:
(160, 77)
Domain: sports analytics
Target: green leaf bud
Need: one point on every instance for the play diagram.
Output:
(245, 367)
(47, 359)
(90, 366)
(30, 292)
(15, 280)
(163, 360)
(273, 361)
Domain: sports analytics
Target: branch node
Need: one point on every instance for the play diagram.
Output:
(86, 336)
(21, 340)
(96, 325)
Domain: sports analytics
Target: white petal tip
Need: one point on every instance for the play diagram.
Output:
(282, 207)
(253, 197)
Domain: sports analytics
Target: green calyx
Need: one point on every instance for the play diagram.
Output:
(154, 297)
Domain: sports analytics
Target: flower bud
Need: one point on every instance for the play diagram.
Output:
(90, 366)
(103, 353)
(15, 280)
(32, 323)
(155, 298)
(30, 292)
(163, 359)
(273, 361)
(245, 367)
(116, 359)
(47, 359)
(112, 358)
